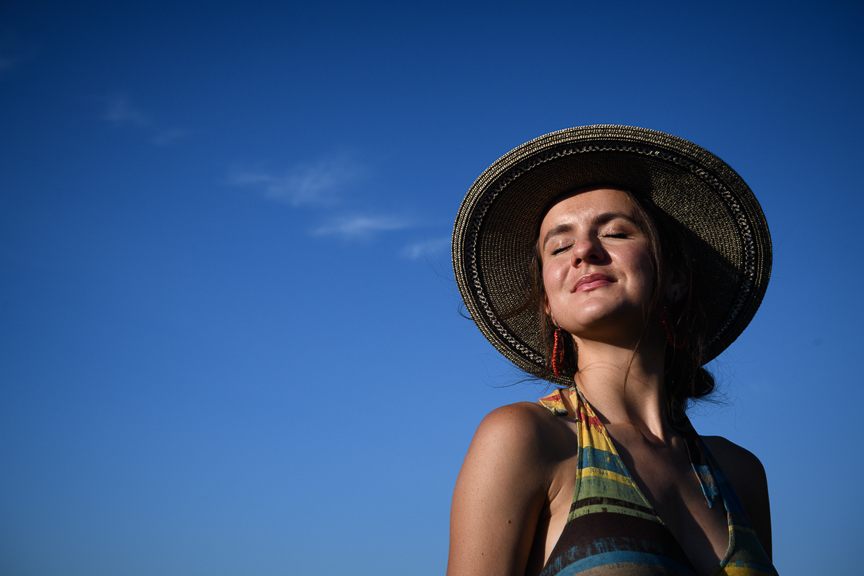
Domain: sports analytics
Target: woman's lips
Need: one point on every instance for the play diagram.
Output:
(592, 281)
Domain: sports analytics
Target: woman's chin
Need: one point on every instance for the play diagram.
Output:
(606, 321)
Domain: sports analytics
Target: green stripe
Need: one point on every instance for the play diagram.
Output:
(599, 487)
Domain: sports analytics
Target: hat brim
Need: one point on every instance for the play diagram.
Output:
(498, 222)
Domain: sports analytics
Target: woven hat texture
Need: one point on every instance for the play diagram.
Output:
(499, 219)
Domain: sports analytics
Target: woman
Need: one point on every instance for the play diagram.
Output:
(614, 261)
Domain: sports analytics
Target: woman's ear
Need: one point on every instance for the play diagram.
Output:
(549, 311)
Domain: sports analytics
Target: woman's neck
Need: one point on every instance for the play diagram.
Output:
(626, 387)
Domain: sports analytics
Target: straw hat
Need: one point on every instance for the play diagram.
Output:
(499, 219)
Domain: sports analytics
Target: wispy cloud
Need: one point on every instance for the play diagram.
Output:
(303, 184)
(426, 248)
(120, 112)
(321, 187)
(361, 226)
(169, 136)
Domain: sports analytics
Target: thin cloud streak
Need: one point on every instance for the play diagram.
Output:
(360, 226)
(426, 248)
(121, 112)
(319, 185)
(169, 136)
(303, 184)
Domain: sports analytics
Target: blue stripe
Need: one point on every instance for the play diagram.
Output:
(730, 499)
(720, 476)
(621, 557)
(735, 507)
(602, 460)
(710, 491)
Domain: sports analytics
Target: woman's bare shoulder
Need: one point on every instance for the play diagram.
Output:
(502, 489)
(732, 457)
(521, 426)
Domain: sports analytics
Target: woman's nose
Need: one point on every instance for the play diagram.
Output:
(587, 250)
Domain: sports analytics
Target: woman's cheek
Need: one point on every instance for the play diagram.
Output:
(555, 280)
(551, 276)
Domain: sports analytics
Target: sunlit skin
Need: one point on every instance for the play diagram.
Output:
(597, 268)
(514, 491)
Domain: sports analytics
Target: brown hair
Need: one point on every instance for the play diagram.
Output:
(686, 320)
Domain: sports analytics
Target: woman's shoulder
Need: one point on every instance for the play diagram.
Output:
(736, 461)
(524, 440)
(747, 476)
(526, 428)
(503, 489)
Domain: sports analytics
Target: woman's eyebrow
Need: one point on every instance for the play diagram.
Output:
(607, 217)
(602, 219)
(555, 230)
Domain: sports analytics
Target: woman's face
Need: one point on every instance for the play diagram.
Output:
(597, 267)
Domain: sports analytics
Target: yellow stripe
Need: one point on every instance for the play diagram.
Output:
(600, 473)
(599, 488)
(740, 571)
(554, 402)
(594, 438)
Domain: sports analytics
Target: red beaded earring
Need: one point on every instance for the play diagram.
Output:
(557, 353)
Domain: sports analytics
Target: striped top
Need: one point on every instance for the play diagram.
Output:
(613, 530)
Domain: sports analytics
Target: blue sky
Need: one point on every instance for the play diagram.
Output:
(230, 340)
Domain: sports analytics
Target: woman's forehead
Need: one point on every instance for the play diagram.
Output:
(589, 203)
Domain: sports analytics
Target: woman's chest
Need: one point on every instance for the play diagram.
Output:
(611, 503)
(665, 479)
